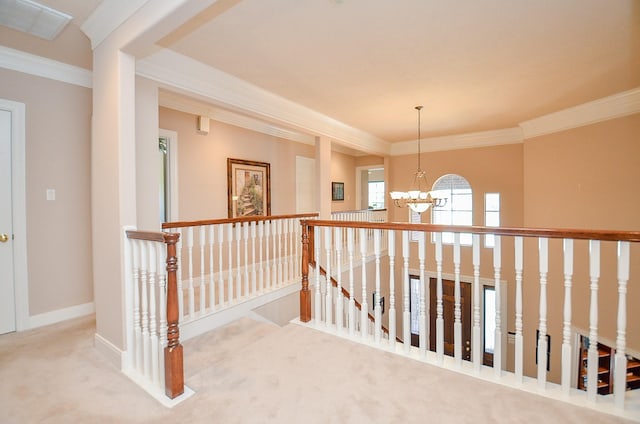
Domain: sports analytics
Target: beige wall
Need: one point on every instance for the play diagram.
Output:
(202, 164)
(584, 178)
(58, 142)
(343, 169)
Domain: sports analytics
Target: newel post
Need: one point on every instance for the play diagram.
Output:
(305, 294)
(173, 366)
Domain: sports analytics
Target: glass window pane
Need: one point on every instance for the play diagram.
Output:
(492, 219)
(415, 305)
(489, 240)
(461, 217)
(462, 202)
(466, 239)
(492, 202)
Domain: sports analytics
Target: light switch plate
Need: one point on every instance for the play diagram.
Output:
(51, 194)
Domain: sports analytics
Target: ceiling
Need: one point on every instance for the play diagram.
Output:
(474, 65)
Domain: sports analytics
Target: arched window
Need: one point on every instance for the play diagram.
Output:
(459, 207)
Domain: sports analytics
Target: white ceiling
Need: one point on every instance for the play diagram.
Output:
(475, 65)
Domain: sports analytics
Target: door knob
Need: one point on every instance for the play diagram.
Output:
(4, 238)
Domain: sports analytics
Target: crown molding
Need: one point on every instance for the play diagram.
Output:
(27, 63)
(460, 141)
(180, 103)
(229, 92)
(108, 16)
(615, 106)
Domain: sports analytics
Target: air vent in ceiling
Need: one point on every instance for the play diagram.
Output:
(33, 18)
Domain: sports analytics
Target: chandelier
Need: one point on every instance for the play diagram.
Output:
(416, 198)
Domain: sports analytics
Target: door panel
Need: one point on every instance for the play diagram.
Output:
(448, 306)
(7, 288)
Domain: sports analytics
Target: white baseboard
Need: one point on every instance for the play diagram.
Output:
(60, 315)
(109, 351)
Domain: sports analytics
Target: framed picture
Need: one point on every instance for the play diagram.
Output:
(337, 191)
(248, 188)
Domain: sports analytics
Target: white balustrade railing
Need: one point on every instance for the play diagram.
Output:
(510, 255)
(222, 263)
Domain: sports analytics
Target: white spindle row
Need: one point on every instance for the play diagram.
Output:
(231, 262)
(338, 313)
(147, 314)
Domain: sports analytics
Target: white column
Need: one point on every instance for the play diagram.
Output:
(519, 352)
(212, 282)
(406, 312)
(377, 307)
(566, 323)
(339, 297)
(620, 377)
(329, 294)
(254, 264)
(323, 177)
(543, 251)
(220, 266)
(317, 297)
(190, 282)
(231, 296)
(592, 355)
(364, 313)
(391, 239)
(352, 303)
(246, 265)
(476, 343)
(423, 316)
(497, 346)
(439, 305)
(457, 311)
(260, 256)
(202, 241)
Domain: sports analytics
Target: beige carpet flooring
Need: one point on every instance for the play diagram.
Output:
(253, 372)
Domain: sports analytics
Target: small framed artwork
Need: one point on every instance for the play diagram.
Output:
(248, 188)
(337, 191)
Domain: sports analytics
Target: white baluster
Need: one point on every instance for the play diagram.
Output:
(137, 326)
(620, 377)
(232, 297)
(391, 240)
(267, 262)
(364, 313)
(238, 239)
(287, 249)
(566, 324)
(339, 302)
(406, 312)
(162, 302)
(317, 296)
(260, 256)
(376, 306)
(153, 329)
(179, 276)
(352, 303)
(254, 276)
(279, 279)
(221, 266)
(543, 250)
(190, 282)
(276, 254)
(439, 304)
(519, 352)
(476, 347)
(247, 264)
(329, 292)
(423, 340)
(592, 355)
(144, 300)
(201, 287)
(212, 282)
(457, 310)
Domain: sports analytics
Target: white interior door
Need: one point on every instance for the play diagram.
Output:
(7, 287)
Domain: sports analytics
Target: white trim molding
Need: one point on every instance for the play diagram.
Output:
(108, 16)
(460, 141)
(60, 315)
(224, 90)
(615, 106)
(110, 351)
(27, 63)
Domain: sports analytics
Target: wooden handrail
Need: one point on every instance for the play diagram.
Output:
(360, 210)
(181, 224)
(578, 234)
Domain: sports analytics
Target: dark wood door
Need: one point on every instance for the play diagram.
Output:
(448, 303)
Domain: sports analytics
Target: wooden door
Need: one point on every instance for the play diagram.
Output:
(448, 303)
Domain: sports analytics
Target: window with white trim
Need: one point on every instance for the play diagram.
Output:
(376, 195)
(459, 207)
(491, 216)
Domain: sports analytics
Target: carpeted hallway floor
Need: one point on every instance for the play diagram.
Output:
(254, 372)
